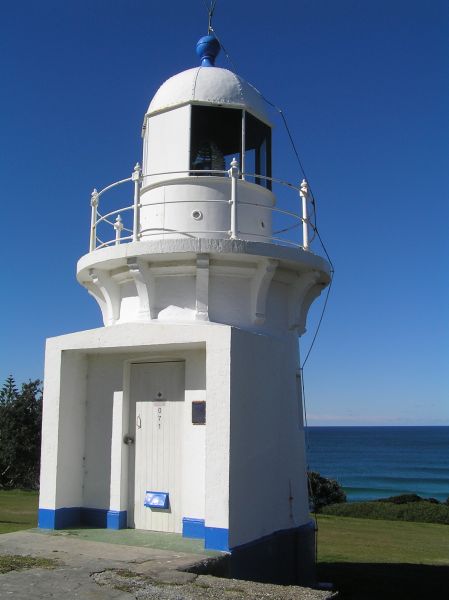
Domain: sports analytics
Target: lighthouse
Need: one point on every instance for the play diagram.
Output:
(183, 412)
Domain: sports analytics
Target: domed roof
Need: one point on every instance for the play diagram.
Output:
(208, 85)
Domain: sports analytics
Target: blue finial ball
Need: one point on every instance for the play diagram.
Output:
(207, 49)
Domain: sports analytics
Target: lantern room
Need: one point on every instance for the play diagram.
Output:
(208, 116)
(198, 122)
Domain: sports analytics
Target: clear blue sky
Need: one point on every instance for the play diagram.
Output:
(365, 89)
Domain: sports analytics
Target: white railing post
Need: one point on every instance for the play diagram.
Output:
(93, 220)
(118, 226)
(304, 193)
(136, 178)
(234, 174)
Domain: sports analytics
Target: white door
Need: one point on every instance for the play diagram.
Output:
(156, 410)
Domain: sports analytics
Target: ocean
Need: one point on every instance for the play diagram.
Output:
(376, 462)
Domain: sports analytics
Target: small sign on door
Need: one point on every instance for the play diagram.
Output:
(199, 412)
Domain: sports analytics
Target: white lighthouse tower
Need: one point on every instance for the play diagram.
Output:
(184, 413)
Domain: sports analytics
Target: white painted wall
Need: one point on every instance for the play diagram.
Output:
(194, 458)
(63, 427)
(171, 205)
(50, 416)
(267, 461)
(277, 307)
(236, 471)
(228, 279)
(229, 296)
(95, 418)
(119, 453)
(167, 143)
(176, 290)
(105, 381)
(217, 431)
(129, 301)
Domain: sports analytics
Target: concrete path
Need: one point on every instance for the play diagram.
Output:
(87, 569)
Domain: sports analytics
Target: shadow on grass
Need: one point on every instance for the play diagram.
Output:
(368, 581)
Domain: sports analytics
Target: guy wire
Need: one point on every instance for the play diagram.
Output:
(332, 271)
(309, 484)
(210, 12)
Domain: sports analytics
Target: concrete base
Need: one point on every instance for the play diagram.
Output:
(284, 557)
(103, 569)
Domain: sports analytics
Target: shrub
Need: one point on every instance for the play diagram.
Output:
(402, 499)
(406, 498)
(422, 511)
(324, 491)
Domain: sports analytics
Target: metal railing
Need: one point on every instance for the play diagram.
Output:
(130, 231)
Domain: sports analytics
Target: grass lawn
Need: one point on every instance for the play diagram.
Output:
(18, 510)
(376, 560)
(344, 539)
(365, 559)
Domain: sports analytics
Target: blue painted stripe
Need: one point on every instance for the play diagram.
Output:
(117, 519)
(216, 538)
(59, 518)
(193, 528)
(64, 518)
(94, 517)
(46, 518)
(310, 525)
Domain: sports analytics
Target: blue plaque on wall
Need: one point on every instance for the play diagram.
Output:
(156, 499)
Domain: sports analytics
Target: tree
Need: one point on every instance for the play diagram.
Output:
(20, 434)
(323, 491)
(9, 391)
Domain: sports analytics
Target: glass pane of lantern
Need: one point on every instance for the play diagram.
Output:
(258, 150)
(215, 138)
